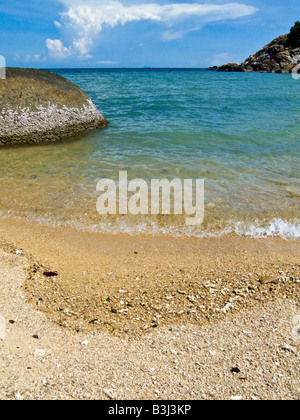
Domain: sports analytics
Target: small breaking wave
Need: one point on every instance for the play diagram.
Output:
(276, 228)
(286, 229)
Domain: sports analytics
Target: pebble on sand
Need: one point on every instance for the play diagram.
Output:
(39, 354)
(237, 398)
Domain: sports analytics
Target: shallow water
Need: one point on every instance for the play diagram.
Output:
(239, 132)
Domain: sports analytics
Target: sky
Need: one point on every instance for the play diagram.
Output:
(145, 33)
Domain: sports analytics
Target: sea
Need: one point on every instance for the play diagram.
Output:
(239, 132)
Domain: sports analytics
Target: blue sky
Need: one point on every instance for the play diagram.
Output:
(131, 33)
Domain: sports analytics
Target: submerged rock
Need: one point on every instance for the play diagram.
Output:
(40, 106)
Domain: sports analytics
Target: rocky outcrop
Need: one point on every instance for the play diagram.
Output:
(231, 67)
(40, 106)
(276, 57)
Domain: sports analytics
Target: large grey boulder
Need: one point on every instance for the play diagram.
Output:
(40, 106)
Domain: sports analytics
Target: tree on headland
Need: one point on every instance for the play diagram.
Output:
(294, 36)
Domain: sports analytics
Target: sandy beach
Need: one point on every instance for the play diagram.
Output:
(147, 317)
(150, 203)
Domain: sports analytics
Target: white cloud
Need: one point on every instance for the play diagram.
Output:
(57, 49)
(94, 15)
(88, 18)
(30, 58)
(106, 62)
(83, 45)
(171, 35)
(220, 59)
(38, 57)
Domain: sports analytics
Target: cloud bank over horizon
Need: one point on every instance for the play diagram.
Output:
(84, 20)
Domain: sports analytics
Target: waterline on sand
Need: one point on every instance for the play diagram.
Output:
(285, 229)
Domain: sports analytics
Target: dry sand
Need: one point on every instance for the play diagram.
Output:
(147, 317)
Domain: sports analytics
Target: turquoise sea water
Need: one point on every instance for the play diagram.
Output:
(239, 132)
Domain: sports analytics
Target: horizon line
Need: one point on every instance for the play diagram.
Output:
(114, 68)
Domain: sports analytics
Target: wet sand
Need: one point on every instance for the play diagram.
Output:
(251, 352)
(134, 284)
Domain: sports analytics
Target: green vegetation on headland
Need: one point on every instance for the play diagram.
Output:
(294, 36)
(277, 57)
